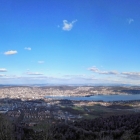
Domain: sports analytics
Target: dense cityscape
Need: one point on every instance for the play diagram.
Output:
(26, 92)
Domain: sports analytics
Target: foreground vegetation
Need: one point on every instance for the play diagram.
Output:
(120, 127)
(6, 129)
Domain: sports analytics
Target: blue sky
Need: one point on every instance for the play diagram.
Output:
(69, 42)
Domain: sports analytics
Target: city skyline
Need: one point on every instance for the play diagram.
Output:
(69, 42)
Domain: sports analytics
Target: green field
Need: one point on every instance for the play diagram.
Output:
(97, 110)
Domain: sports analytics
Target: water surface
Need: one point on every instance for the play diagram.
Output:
(99, 97)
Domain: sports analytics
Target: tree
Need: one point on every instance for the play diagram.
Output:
(5, 129)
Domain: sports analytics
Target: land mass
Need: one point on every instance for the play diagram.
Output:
(26, 92)
(34, 116)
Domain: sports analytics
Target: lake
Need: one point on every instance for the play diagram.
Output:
(99, 97)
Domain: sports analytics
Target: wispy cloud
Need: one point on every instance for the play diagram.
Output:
(3, 70)
(131, 75)
(96, 70)
(130, 20)
(41, 62)
(36, 77)
(127, 75)
(11, 52)
(109, 72)
(2, 75)
(34, 73)
(27, 48)
(67, 26)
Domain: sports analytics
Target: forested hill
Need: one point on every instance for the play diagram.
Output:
(121, 127)
(125, 127)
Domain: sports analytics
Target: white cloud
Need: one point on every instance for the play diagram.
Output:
(67, 26)
(41, 62)
(96, 70)
(3, 70)
(2, 75)
(109, 72)
(34, 73)
(39, 78)
(10, 52)
(29, 49)
(130, 20)
(131, 75)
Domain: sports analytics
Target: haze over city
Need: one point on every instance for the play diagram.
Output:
(69, 42)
